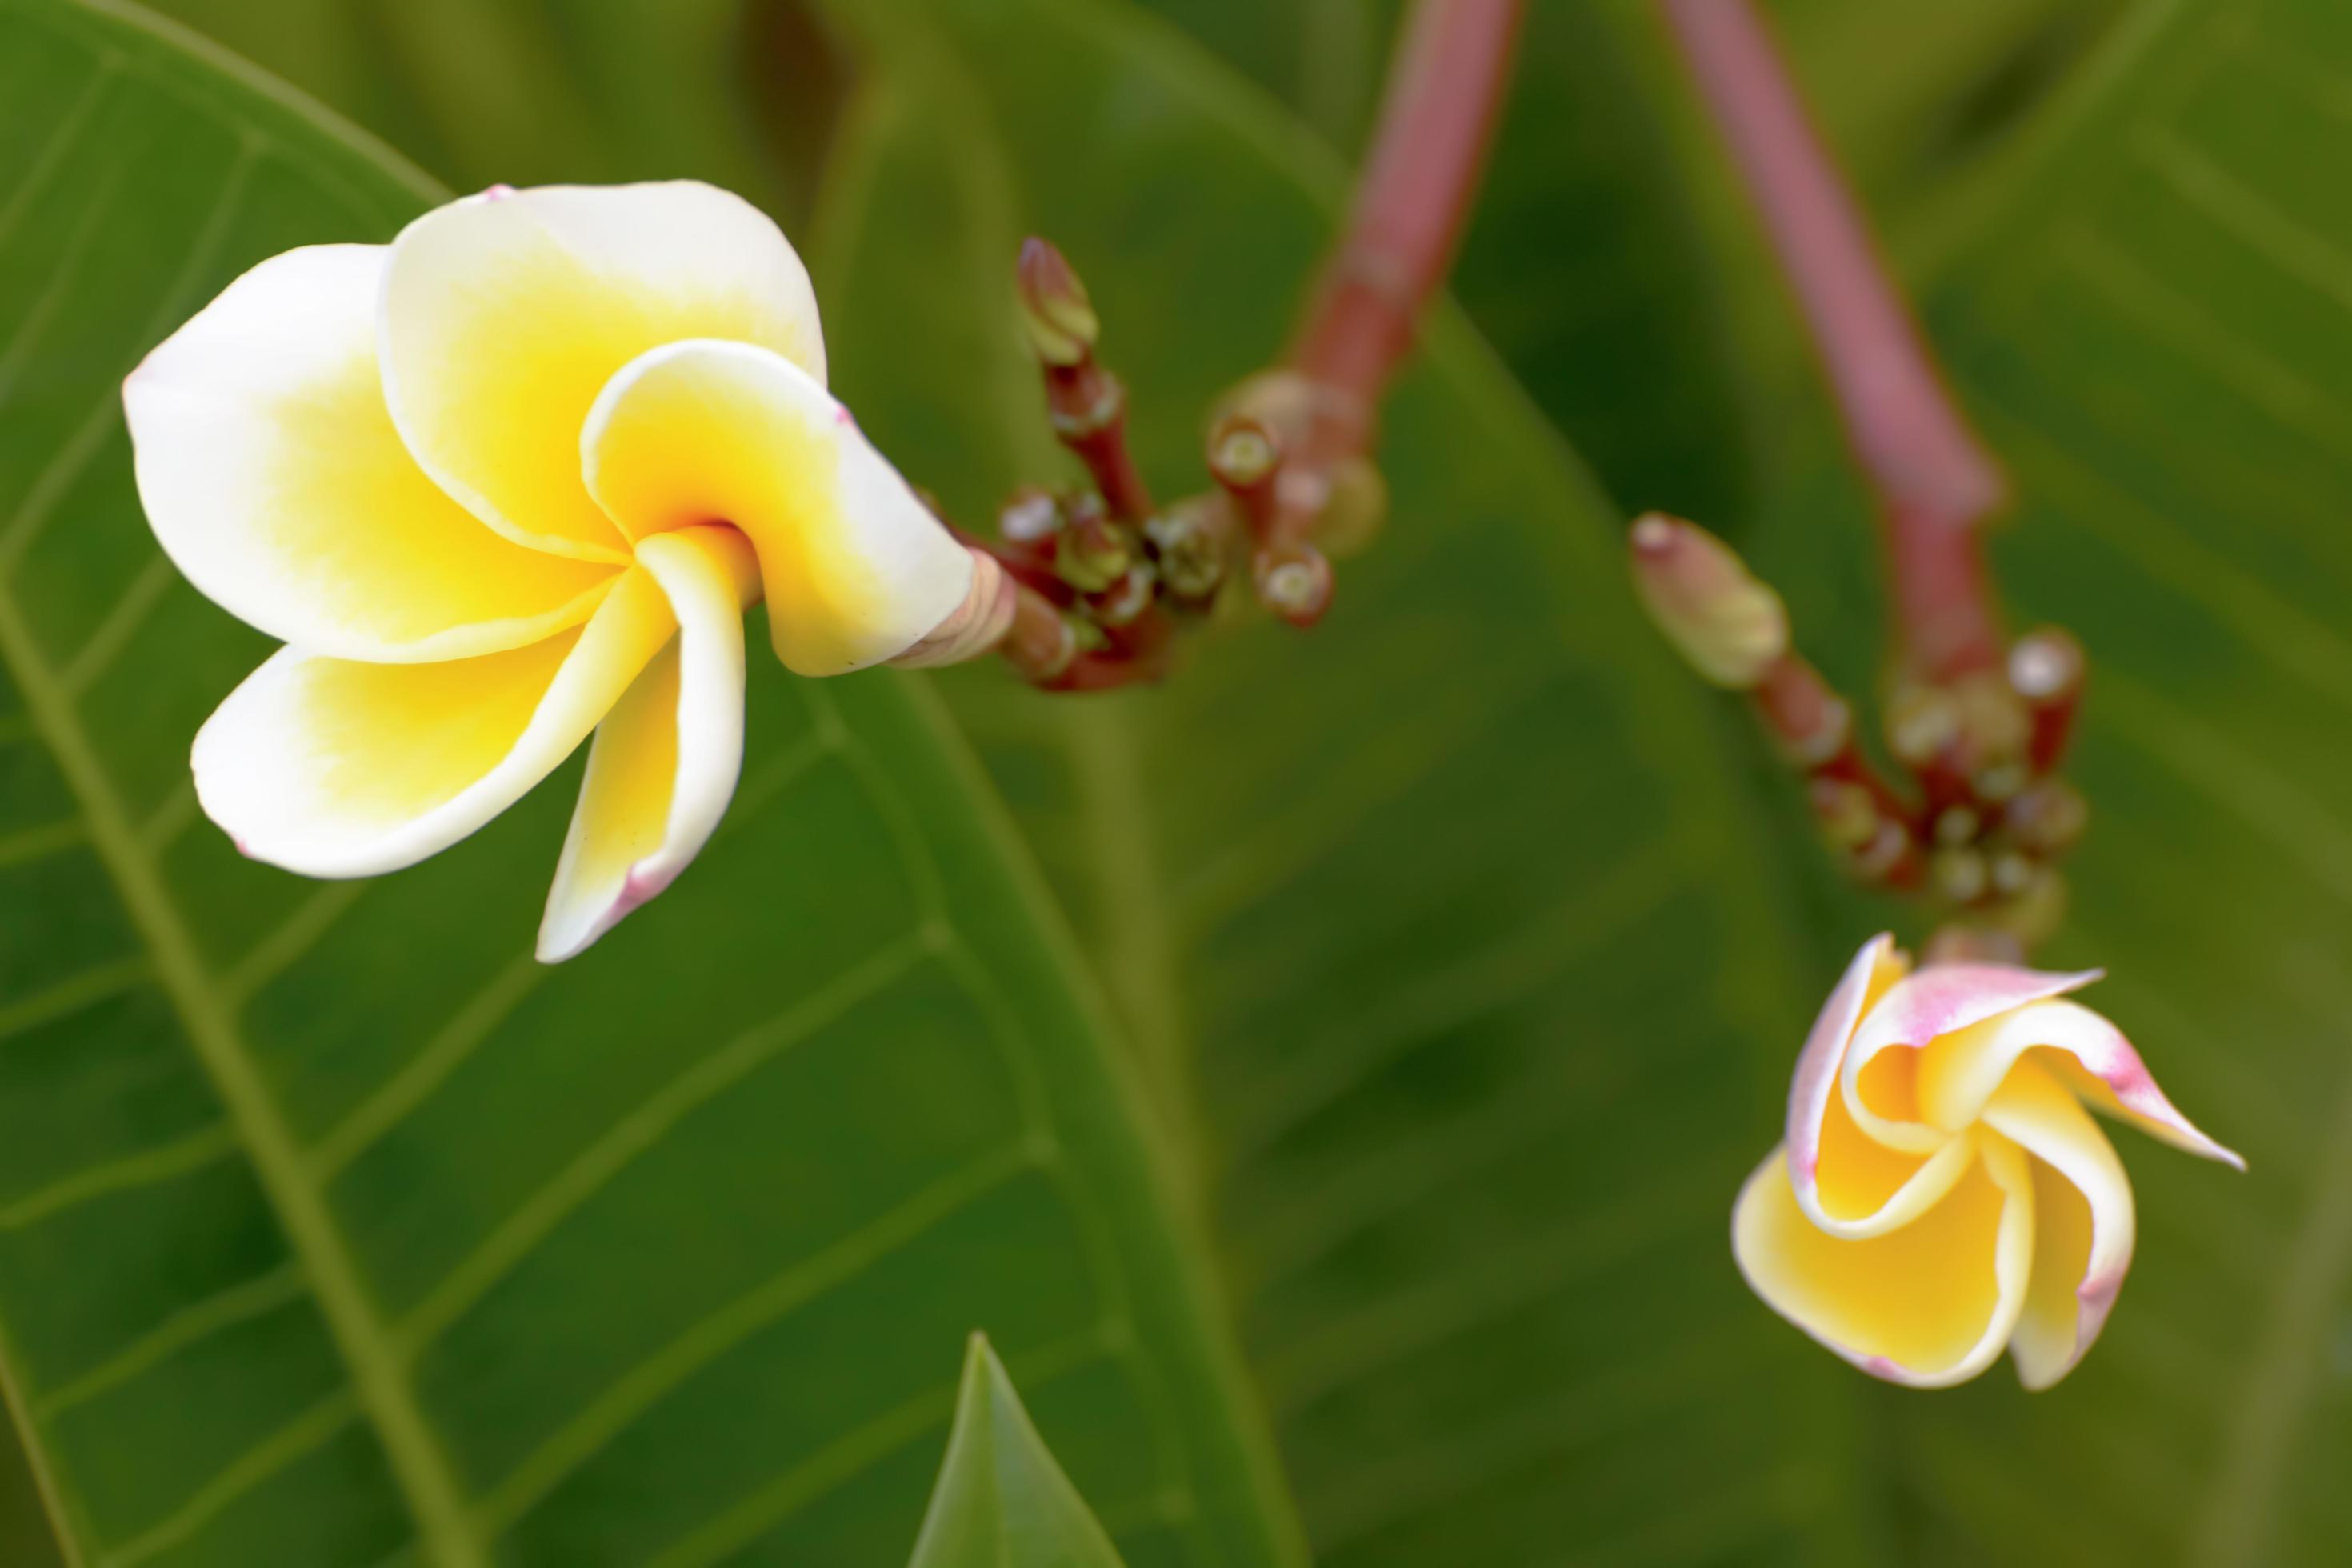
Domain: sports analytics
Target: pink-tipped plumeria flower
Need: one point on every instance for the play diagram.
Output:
(512, 479)
(1944, 1193)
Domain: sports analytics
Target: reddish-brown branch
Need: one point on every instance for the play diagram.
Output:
(2045, 669)
(1935, 480)
(1437, 116)
(1089, 413)
(1039, 645)
(1866, 817)
(1086, 403)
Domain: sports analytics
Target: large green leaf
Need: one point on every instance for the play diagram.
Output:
(331, 1228)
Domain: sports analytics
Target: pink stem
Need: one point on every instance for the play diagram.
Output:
(1443, 97)
(1934, 478)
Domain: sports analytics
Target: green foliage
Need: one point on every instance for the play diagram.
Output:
(1461, 946)
(1001, 1501)
(331, 1228)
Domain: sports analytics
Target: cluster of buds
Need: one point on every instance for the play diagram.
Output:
(1102, 575)
(1986, 817)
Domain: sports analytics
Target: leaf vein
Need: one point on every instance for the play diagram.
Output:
(189, 1326)
(595, 1166)
(178, 1158)
(809, 1279)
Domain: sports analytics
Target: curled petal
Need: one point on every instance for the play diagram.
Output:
(504, 315)
(1878, 1076)
(1929, 1304)
(972, 628)
(2083, 1222)
(1864, 1188)
(272, 475)
(1878, 965)
(1959, 1074)
(857, 569)
(667, 758)
(335, 768)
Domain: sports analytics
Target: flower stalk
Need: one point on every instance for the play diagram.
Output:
(1288, 455)
(1936, 481)
(1978, 723)
(1088, 405)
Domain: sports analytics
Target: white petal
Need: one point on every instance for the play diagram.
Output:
(505, 314)
(857, 569)
(336, 768)
(272, 475)
(667, 758)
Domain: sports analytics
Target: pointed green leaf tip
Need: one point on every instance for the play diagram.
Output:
(1001, 1501)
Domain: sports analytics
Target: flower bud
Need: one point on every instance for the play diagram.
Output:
(1090, 554)
(1060, 320)
(1923, 723)
(1190, 540)
(2045, 666)
(1126, 598)
(1995, 728)
(1729, 627)
(1888, 856)
(1243, 453)
(1030, 517)
(2047, 817)
(2045, 669)
(1848, 812)
(1960, 875)
(1294, 581)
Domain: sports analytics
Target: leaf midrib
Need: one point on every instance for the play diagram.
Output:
(418, 1465)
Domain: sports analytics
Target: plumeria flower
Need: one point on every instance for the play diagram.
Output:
(510, 479)
(1944, 1193)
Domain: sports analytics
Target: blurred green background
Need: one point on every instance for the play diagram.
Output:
(1402, 1003)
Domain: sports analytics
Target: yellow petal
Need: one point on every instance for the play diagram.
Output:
(1876, 967)
(505, 314)
(857, 569)
(1929, 1304)
(1879, 1076)
(1959, 1072)
(335, 768)
(2083, 1222)
(273, 477)
(1864, 1188)
(667, 757)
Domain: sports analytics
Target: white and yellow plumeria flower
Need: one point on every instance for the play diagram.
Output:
(1943, 1193)
(510, 479)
